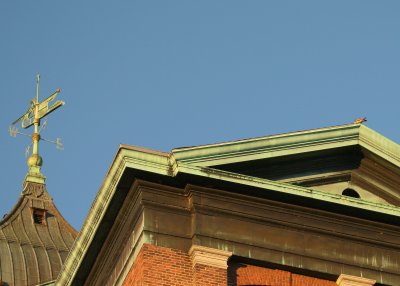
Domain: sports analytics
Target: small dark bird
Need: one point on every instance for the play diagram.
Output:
(360, 120)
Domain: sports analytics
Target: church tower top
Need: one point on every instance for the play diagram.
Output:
(35, 239)
(36, 112)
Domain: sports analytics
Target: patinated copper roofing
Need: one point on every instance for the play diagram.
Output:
(33, 249)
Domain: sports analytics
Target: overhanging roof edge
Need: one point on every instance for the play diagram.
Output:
(126, 157)
(92, 221)
(270, 146)
(288, 189)
(380, 145)
(171, 164)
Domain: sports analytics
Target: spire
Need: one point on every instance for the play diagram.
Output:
(37, 110)
(35, 161)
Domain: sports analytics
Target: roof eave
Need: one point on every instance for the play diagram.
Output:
(291, 144)
(270, 146)
(379, 145)
(194, 161)
(126, 157)
(290, 189)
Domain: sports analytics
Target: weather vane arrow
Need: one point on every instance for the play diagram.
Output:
(37, 110)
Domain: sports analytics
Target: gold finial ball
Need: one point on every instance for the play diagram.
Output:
(35, 161)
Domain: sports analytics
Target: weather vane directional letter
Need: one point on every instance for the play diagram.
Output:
(37, 110)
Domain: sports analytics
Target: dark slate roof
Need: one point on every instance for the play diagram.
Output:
(32, 251)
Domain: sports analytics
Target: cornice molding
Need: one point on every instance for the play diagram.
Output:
(269, 146)
(290, 144)
(269, 185)
(348, 280)
(379, 145)
(91, 224)
(150, 161)
(209, 256)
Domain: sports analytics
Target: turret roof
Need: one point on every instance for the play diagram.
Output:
(34, 239)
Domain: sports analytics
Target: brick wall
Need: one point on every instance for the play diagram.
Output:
(157, 265)
(135, 275)
(209, 276)
(242, 274)
(160, 266)
(300, 280)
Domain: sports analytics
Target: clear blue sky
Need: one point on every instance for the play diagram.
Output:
(165, 74)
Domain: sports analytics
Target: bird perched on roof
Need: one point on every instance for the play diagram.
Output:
(360, 120)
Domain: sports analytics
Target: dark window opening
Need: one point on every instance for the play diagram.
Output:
(351, 193)
(39, 216)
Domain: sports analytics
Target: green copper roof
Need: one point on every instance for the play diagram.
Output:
(290, 144)
(198, 161)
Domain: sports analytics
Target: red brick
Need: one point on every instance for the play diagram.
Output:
(157, 265)
(242, 274)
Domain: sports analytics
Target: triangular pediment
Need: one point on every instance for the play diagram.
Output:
(350, 160)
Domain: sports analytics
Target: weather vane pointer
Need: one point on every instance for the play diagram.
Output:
(36, 111)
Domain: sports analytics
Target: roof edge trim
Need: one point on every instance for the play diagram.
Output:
(126, 157)
(289, 189)
(380, 145)
(270, 146)
(195, 161)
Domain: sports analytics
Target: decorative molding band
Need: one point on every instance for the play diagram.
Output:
(287, 188)
(209, 256)
(348, 280)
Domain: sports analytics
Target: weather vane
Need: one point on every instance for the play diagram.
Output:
(37, 110)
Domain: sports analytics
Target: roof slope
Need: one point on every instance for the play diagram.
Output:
(203, 164)
(291, 144)
(34, 239)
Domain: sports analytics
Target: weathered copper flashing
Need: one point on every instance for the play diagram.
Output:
(263, 137)
(132, 161)
(289, 144)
